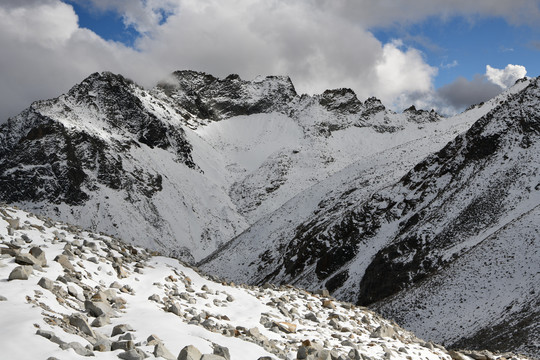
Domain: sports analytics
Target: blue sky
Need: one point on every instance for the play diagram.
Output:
(436, 54)
(462, 47)
(107, 24)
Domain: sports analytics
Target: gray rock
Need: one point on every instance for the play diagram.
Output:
(154, 297)
(230, 298)
(46, 283)
(13, 223)
(133, 354)
(81, 323)
(355, 355)
(324, 355)
(161, 351)
(102, 345)
(209, 323)
(122, 345)
(101, 320)
(115, 285)
(9, 251)
(222, 351)
(26, 259)
(26, 239)
(127, 336)
(322, 292)
(39, 254)
(121, 329)
(348, 343)
(72, 291)
(153, 340)
(212, 357)
(384, 331)
(79, 349)
(3, 298)
(64, 261)
(21, 273)
(98, 308)
(175, 309)
(479, 355)
(311, 316)
(50, 336)
(184, 296)
(189, 352)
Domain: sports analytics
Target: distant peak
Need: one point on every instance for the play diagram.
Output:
(421, 116)
(343, 100)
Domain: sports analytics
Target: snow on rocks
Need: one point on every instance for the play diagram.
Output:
(76, 308)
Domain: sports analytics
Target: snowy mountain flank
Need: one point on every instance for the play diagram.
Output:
(66, 293)
(431, 221)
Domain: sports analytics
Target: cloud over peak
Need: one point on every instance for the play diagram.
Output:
(320, 44)
(505, 77)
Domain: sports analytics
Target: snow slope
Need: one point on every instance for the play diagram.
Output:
(140, 295)
(193, 162)
(391, 238)
(321, 191)
(110, 157)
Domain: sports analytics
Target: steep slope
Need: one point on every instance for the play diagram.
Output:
(109, 156)
(403, 234)
(69, 294)
(275, 143)
(501, 274)
(192, 162)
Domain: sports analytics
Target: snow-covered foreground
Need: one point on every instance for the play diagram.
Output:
(86, 294)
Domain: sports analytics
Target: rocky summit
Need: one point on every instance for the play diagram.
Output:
(431, 221)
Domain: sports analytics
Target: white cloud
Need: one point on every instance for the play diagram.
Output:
(47, 54)
(48, 24)
(321, 44)
(451, 65)
(400, 72)
(44, 53)
(505, 77)
(145, 16)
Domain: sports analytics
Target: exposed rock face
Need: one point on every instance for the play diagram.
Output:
(84, 149)
(113, 157)
(398, 238)
(209, 98)
(52, 149)
(123, 159)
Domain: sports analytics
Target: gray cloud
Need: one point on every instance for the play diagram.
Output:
(462, 92)
(379, 13)
(534, 45)
(321, 44)
(316, 48)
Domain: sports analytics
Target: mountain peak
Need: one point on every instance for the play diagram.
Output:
(207, 97)
(343, 100)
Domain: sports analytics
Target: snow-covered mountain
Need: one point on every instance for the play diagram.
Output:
(259, 184)
(66, 293)
(454, 241)
(191, 163)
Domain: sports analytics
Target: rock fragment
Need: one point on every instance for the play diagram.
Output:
(21, 273)
(46, 283)
(81, 323)
(189, 352)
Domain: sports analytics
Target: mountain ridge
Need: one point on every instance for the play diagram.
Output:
(263, 184)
